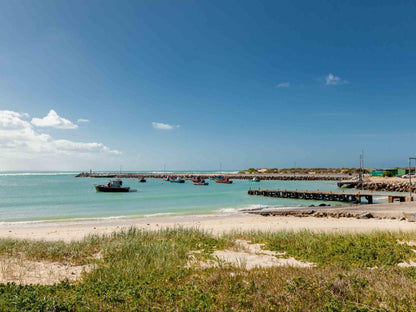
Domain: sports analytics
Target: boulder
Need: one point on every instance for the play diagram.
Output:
(365, 215)
(412, 218)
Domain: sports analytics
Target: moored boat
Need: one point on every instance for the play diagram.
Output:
(142, 179)
(223, 180)
(201, 182)
(256, 179)
(113, 186)
(177, 180)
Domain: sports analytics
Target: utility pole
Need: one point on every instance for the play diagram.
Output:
(410, 176)
(361, 172)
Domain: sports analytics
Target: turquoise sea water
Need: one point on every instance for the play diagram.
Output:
(60, 196)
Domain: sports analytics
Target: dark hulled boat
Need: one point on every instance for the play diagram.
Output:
(114, 186)
(200, 183)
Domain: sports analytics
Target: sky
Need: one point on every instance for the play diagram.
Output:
(206, 85)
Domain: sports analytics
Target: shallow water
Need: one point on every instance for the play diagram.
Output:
(55, 196)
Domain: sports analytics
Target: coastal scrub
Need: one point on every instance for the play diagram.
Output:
(148, 271)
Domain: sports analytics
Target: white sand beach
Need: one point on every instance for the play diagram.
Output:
(387, 217)
(217, 224)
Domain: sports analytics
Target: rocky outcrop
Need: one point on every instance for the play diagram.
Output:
(384, 186)
(316, 214)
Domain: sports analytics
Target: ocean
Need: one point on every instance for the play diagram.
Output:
(52, 196)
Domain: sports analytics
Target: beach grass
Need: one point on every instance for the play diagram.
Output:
(138, 270)
(351, 249)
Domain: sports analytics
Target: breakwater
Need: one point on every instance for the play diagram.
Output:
(393, 186)
(321, 213)
(281, 177)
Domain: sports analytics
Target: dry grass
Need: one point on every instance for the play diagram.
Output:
(24, 272)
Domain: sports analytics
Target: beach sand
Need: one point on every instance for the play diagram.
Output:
(217, 224)
(23, 271)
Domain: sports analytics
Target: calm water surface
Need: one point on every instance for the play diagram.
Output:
(54, 196)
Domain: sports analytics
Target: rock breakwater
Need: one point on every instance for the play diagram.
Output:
(385, 186)
(325, 177)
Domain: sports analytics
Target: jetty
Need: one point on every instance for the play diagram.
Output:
(348, 183)
(327, 196)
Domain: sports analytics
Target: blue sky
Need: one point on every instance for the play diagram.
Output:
(192, 84)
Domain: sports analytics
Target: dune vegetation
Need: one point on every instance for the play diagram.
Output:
(138, 270)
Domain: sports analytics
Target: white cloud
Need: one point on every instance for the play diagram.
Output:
(69, 146)
(163, 126)
(83, 120)
(53, 120)
(283, 85)
(12, 120)
(19, 140)
(333, 80)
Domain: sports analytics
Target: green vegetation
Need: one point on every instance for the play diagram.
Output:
(147, 271)
(362, 250)
(388, 174)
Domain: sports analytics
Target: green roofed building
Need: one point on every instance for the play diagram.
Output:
(395, 172)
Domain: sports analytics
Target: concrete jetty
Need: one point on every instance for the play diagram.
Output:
(314, 195)
(328, 196)
(348, 183)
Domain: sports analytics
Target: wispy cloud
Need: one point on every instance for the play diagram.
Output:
(53, 120)
(332, 80)
(283, 85)
(164, 126)
(83, 120)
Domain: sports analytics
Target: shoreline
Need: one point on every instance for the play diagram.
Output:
(222, 224)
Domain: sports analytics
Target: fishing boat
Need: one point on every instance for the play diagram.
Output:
(223, 180)
(256, 179)
(200, 182)
(114, 186)
(177, 180)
